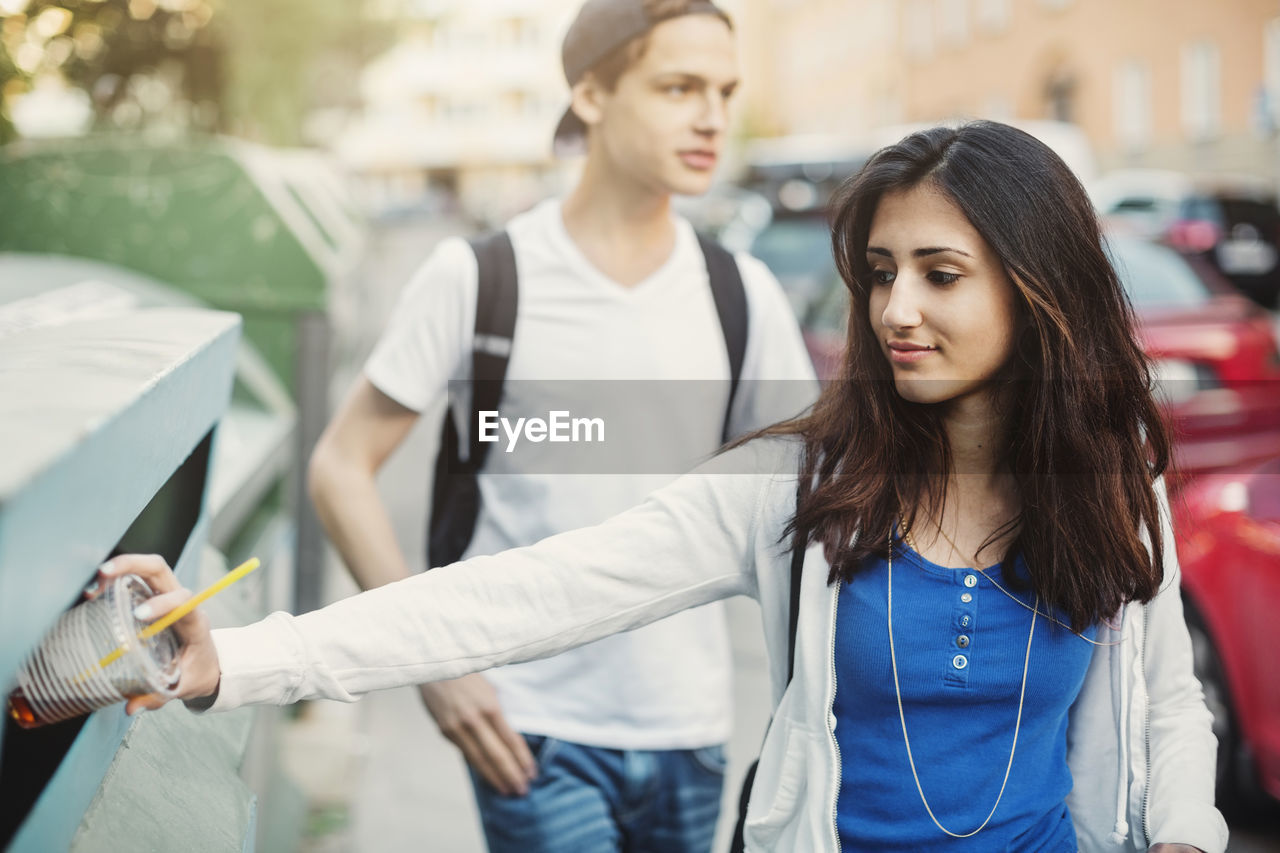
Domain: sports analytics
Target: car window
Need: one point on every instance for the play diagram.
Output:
(1155, 276)
(1148, 214)
(798, 251)
(795, 246)
(1203, 209)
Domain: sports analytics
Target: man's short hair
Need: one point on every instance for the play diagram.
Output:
(609, 70)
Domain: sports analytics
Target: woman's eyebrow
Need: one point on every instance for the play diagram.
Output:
(918, 253)
(933, 250)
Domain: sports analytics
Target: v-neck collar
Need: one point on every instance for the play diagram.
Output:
(560, 233)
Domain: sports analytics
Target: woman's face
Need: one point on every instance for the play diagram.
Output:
(941, 304)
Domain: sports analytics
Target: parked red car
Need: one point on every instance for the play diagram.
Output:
(1217, 365)
(1228, 530)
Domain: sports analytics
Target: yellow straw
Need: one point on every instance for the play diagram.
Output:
(185, 607)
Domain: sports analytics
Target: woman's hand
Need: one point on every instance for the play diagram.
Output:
(198, 659)
(1173, 848)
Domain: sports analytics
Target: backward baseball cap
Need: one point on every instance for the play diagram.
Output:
(601, 27)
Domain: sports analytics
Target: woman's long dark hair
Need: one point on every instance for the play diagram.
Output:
(1085, 438)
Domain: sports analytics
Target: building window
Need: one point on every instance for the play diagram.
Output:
(522, 104)
(993, 15)
(1132, 102)
(918, 31)
(520, 32)
(1271, 72)
(1060, 95)
(1201, 90)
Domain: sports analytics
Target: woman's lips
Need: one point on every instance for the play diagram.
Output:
(909, 353)
(700, 160)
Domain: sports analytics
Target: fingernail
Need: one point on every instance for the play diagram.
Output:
(91, 589)
(107, 568)
(142, 612)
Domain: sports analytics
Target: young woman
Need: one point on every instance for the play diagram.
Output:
(990, 651)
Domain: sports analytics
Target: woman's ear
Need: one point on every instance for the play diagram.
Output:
(587, 100)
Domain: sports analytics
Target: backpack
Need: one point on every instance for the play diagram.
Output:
(455, 491)
(798, 545)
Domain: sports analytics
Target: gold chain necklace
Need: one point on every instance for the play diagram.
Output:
(906, 535)
(897, 690)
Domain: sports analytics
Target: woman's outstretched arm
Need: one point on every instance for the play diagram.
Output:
(689, 543)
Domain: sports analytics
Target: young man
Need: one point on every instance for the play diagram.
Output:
(618, 745)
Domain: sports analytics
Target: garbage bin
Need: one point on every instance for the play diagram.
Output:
(262, 232)
(146, 424)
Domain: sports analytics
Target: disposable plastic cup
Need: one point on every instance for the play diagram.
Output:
(62, 678)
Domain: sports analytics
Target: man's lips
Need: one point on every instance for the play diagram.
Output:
(904, 352)
(699, 159)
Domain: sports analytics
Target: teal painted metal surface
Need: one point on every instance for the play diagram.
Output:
(259, 428)
(100, 413)
(57, 815)
(172, 785)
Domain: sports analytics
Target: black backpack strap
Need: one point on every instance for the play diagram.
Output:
(731, 305)
(455, 492)
(497, 294)
(798, 547)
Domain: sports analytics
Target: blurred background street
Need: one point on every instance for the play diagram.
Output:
(294, 161)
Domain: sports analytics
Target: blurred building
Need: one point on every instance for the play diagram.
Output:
(463, 105)
(1181, 84)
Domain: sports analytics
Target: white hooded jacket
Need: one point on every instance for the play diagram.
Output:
(1140, 745)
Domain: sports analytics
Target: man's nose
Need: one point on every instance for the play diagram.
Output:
(714, 118)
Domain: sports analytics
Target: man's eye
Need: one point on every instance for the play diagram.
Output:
(678, 89)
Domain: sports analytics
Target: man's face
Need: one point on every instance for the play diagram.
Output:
(665, 121)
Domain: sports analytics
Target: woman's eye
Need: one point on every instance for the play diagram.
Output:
(677, 89)
(939, 277)
(882, 276)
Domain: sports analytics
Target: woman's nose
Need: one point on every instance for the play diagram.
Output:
(902, 310)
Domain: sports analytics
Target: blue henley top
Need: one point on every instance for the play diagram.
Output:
(960, 647)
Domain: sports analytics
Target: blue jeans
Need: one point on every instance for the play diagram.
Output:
(588, 799)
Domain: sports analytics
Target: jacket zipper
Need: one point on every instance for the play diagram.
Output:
(1146, 722)
(831, 663)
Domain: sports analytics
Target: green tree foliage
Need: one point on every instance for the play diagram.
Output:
(247, 67)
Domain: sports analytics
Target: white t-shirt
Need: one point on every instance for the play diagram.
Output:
(667, 685)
